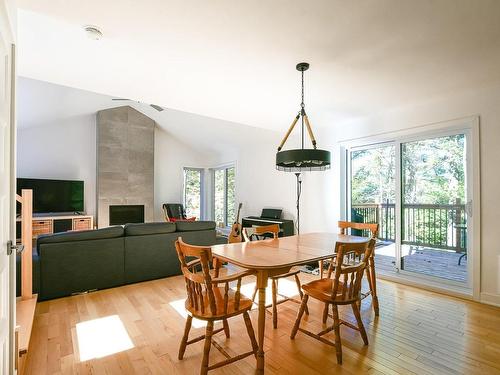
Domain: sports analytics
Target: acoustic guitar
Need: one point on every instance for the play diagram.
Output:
(235, 235)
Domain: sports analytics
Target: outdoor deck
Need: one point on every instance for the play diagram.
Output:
(424, 260)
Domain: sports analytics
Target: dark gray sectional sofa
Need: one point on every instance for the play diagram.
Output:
(76, 262)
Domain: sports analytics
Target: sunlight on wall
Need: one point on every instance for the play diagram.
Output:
(101, 337)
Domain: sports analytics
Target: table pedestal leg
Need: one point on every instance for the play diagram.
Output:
(261, 285)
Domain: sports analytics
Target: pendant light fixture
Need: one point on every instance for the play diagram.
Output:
(302, 159)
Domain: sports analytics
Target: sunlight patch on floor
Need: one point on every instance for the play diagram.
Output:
(285, 288)
(178, 306)
(101, 337)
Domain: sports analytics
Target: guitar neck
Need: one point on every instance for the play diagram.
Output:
(238, 216)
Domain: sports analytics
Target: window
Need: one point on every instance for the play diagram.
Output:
(224, 207)
(193, 192)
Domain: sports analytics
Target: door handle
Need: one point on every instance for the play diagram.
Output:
(11, 247)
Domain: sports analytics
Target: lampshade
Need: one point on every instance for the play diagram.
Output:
(301, 159)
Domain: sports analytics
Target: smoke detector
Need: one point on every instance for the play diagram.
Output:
(93, 32)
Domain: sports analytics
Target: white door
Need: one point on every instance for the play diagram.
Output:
(6, 295)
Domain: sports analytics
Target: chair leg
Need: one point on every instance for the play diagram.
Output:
(226, 328)
(275, 303)
(251, 333)
(336, 325)
(206, 348)
(361, 326)
(301, 294)
(299, 316)
(325, 312)
(371, 265)
(184, 340)
(254, 293)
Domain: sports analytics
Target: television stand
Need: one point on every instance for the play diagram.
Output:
(48, 224)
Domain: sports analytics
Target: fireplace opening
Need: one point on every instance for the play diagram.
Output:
(124, 214)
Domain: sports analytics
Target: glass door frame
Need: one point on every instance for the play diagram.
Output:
(470, 128)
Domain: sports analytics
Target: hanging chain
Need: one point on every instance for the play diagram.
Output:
(302, 105)
(302, 112)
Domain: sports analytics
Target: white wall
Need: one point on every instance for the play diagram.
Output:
(66, 150)
(258, 183)
(171, 156)
(203, 142)
(482, 102)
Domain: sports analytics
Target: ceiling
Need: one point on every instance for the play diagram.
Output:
(43, 104)
(235, 60)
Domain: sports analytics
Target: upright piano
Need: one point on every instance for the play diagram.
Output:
(267, 217)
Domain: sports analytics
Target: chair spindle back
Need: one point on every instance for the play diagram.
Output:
(348, 269)
(202, 289)
(372, 227)
(272, 229)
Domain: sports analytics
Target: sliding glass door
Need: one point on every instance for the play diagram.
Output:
(416, 190)
(433, 216)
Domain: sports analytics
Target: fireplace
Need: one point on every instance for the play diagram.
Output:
(123, 214)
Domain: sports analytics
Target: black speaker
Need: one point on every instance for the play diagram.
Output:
(63, 225)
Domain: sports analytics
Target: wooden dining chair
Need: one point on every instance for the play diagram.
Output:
(344, 288)
(372, 228)
(273, 231)
(209, 301)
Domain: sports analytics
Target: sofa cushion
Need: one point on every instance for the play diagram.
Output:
(190, 226)
(84, 235)
(149, 228)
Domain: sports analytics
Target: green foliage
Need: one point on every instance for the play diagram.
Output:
(219, 196)
(432, 173)
(433, 170)
(231, 198)
(224, 196)
(373, 175)
(192, 192)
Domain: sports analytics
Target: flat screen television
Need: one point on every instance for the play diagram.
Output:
(53, 196)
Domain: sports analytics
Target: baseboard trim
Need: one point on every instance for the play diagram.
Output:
(490, 299)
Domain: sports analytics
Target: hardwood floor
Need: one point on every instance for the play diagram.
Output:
(418, 332)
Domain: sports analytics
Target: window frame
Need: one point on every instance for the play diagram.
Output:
(224, 168)
(202, 189)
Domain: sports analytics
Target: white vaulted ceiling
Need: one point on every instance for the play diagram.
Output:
(235, 60)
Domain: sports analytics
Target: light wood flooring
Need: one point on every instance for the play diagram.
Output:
(418, 332)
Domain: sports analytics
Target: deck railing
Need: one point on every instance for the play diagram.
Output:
(440, 226)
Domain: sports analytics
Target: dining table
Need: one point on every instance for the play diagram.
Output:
(272, 257)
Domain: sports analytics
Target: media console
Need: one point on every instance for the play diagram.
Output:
(57, 223)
